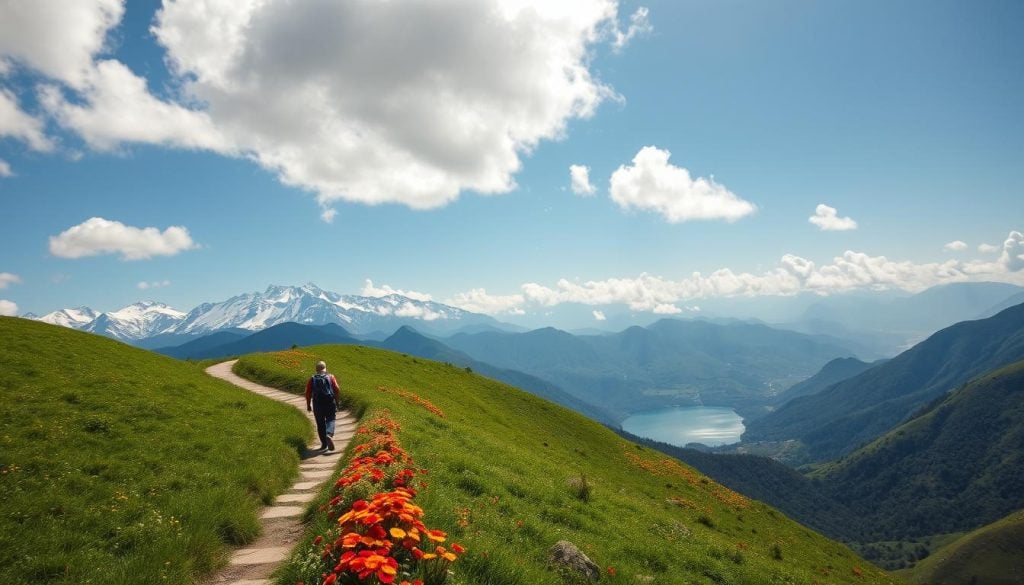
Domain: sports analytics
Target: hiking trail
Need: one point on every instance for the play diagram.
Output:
(281, 522)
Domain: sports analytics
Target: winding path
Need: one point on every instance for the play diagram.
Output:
(281, 521)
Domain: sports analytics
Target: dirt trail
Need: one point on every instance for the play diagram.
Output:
(282, 521)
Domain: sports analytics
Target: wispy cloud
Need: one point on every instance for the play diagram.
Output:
(639, 24)
(154, 284)
(7, 279)
(955, 246)
(369, 290)
(599, 315)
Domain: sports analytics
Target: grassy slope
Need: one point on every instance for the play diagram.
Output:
(993, 554)
(120, 466)
(502, 459)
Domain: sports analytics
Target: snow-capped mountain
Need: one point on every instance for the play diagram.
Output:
(308, 304)
(311, 305)
(76, 318)
(136, 321)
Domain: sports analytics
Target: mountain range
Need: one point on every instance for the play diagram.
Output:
(671, 362)
(150, 324)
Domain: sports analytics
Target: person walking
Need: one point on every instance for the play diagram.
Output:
(322, 400)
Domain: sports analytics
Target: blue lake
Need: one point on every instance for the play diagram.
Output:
(679, 425)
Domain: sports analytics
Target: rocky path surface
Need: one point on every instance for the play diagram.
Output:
(281, 521)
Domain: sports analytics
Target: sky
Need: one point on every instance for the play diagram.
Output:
(507, 156)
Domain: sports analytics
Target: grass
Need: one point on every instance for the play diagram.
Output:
(504, 470)
(992, 554)
(121, 466)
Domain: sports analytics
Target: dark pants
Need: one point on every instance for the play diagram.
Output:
(324, 415)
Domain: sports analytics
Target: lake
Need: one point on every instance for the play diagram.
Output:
(679, 425)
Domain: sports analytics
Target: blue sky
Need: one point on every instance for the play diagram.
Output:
(905, 117)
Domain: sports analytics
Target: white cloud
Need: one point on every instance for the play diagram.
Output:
(5, 169)
(579, 175)
(8, 308)
(826, 219)
(847, 272)
(850, 271)
(14, 123)
(652, 184)
(118, 108)
(955, 246)
(374, 102)
(599, 315)
(369, 290)
(7, 279)
(405, 102)
(154, 284)
(101, 236)
(416, 312)
(56, 37)
(639, 23)
(478, 300)
(988, 248)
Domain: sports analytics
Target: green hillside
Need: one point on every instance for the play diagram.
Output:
(956, 467)
(509, 475)
(993, 555)
(120, 466)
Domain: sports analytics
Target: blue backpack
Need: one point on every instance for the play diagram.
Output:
(323, 392)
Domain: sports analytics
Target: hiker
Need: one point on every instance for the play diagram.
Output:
(322, 389)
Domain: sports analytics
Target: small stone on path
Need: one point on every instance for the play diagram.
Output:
(296, 498)
(260, 556)
(281, 511)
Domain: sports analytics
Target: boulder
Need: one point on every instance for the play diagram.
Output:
(564, 556)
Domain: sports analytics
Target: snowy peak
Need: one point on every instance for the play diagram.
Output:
(311, 305)
(76, 318)
(136, 321)
(307, 304)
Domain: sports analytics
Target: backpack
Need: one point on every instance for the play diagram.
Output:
(323, 392)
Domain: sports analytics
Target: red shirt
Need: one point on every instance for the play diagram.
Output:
(309, 388)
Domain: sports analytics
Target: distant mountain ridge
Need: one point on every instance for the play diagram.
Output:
(307, 304)
(671, 362)
(277, 337)
(857, 410)
(831, 373)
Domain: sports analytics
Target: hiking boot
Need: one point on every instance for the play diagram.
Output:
(330, 444)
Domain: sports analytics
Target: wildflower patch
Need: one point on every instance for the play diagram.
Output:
(672, 468)
(378, 534)
(293, 358)
(414, 398)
